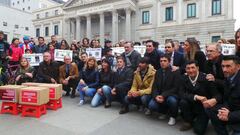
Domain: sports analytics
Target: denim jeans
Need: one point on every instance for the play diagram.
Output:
(141, 100)
(169, 105)
(88, 92)
(99, 99)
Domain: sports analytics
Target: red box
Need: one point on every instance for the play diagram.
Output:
(10, 93)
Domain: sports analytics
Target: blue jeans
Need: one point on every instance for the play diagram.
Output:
(169, 105)
(141, 100)
(99, 99)
(88, 92)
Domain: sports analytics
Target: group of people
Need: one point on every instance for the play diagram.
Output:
(189, 84)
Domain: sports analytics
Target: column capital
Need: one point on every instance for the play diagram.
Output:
(128, 10)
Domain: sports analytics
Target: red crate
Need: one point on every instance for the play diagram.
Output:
(54, 104)
(10, 107)
(34, 111)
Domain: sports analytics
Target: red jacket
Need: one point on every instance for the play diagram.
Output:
(16, 53)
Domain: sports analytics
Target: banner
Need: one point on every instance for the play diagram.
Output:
(118, 50)
(94, 52)
(34, 59)
(140, 49)
(59, 54)
(228, 49)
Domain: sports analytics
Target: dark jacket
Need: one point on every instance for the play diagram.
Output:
(40, 49)
(134, 59)
(203, 87)
(166, 88)
(201, 59)
(46, 72)
(4, 49)
(106, 79)
(232, 101)
(123, 80)
(90, 77)
(154, 58)
(218, 73)
(24, 78)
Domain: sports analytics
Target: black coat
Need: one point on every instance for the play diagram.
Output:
(90, 77)
(123, 81)
(166, 88)
(203, 87)
(201, 59)
(154, 58)
(134, 59)
(46, 72)
(232, 101)
(106, 79)
(218, 74)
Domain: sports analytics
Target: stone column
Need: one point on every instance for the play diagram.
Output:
(128, 24)
(89, 30)
(78, 28)
(114, 26)
(102, 29)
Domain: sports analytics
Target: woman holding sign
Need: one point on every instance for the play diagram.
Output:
(89, 80)
(24, 72)
(237, 38)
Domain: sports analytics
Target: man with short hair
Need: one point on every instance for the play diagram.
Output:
(48, 71)
(228, 113)
(41, 47)
(54, 42)
(131, 56)
(153, 54)
(141, 90)
(68, 74)
(197, 94)
(177, 59)
(213, 66)
(165, 91)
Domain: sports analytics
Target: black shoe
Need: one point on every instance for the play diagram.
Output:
(124, 110)
(67, 94)
(186, 126)
(107, 104)
(73, 96)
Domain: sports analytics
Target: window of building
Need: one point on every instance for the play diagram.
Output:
(17, 2)
(56, 12)
(4, 23)
(215, 38)
(216, 7)
(55, 29)
(16, 26)
(13, 3)
(169, 13)
(38, 32)
(191, 10)
(145, 17)
(27, 28)
(23, 9)
(23, 1)
(46, 31)
(38, 16)
(46, 14)
(29, 7)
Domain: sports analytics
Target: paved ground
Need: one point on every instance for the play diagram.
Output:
(84, 120)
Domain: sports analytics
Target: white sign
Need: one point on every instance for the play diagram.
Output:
(118, 50)
(140, 49)
(94, 52)
(34, 59)
(228, 49)
(59, 54)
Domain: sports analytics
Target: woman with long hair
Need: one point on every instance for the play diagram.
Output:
(24, 72)
(192, 52)
(64, 45)
(237, 40)
(105, 85)
(89, 80)
(75, 50)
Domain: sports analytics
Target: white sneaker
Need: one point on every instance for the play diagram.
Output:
(172, 121)
(162, 117)
(148, 111)
(81, 102)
